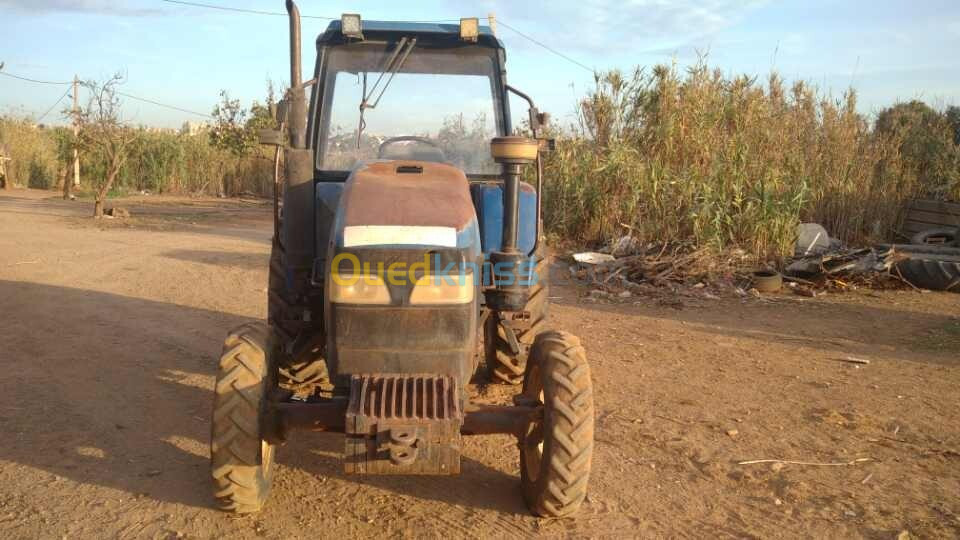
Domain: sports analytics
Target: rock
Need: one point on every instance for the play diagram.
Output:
(733, 432)
(904, 535)
(625, 294)
(776, 467)
(118, 212)
(625, 245)
(812, 239)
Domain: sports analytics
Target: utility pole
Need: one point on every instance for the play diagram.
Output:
(76, 132)
(492, 19)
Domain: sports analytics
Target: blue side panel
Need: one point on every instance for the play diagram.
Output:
(488, 200)
(468, 239)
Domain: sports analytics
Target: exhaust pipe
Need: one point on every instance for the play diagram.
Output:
(294, 12)
(298, 121)
(297, 233)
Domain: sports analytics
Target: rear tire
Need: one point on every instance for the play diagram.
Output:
(556, 452)
(308, 371)
(241, 461)
(280, 313)
(505, 363)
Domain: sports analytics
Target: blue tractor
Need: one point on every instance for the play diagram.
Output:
(403, 237)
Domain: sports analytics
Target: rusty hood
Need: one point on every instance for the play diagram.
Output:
(390, 203)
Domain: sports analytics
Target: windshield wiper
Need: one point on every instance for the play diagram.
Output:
(393, 65)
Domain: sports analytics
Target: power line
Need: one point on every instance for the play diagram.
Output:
(33, 80)
(131, 96)
(157, 103)
(242, 10)
(280, 13)
(545, 46)
(275, 13)
(44, 115)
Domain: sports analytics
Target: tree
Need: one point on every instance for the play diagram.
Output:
(103, 131)
(229, 128)
(953, 118)
(65, 142)
(927, 142)
(235, 129)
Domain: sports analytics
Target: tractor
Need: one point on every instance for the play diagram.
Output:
(404, 236)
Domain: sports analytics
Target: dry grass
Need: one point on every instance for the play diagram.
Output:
(160, 162)
(693, 156)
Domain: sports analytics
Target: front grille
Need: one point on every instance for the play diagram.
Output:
(403, 424)
(404, 396)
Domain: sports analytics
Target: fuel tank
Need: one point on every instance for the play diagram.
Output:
(403, 272)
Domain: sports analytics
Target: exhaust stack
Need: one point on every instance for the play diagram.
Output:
(297, 229)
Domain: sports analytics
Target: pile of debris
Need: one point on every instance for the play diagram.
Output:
(929, 263)
(679, 270)
(842, 269)
(820, 264)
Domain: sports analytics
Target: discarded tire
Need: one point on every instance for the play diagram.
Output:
(929, 267)
(942, 236)
(767, 281)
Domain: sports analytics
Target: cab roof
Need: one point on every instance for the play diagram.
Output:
(424, 32)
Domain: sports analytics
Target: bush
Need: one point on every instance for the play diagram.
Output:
(33, 151)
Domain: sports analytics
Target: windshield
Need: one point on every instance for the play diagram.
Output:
(432, 105)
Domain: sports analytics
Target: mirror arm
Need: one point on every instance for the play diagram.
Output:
(535, 123)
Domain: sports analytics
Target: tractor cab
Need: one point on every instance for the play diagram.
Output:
(411, 91)
(403, 232)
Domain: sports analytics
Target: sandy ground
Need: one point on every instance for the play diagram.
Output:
(110, 333)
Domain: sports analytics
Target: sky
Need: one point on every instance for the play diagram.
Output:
(184, 56)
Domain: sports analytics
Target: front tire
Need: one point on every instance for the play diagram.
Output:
(556, 451)
(241, 461)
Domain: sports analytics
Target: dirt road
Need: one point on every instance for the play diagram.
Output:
(110, 333)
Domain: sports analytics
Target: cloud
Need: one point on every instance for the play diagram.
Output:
(96, 7)
(617, 26)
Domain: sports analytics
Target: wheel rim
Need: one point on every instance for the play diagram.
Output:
(533, 442)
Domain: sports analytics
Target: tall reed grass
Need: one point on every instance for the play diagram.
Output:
(694, 156)
(159, 162)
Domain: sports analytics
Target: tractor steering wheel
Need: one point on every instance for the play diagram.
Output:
(381, 152)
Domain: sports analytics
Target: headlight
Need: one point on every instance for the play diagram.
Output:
(359, 289)
(429, 289)
(434, 289)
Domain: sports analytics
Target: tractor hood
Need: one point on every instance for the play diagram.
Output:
(416, 217)
(392, 204)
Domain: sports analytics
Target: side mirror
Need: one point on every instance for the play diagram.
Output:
(274, 137)
(280, 111)
(270, 137)
(538, 120)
